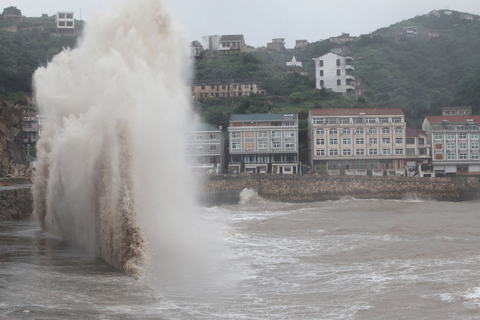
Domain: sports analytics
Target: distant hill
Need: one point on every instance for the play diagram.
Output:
(26, 44)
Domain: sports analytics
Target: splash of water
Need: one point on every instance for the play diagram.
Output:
(111, 176)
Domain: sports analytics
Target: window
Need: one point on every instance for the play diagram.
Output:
(320, 153)
(317, 120)
(320, 142)
(331, 120)
(460, 127)
(347, 141)
(199, 148)
(475, 156)
(462, 136)
(333, 131)
(474, 136)
(290, 134)
(450, 145)
(262, 145)
(338, 62)
(385, 140)
(385, 151)
(360, 152)
(289, 124)
(386, 130)
(398, 151)
(450, 136)
(359, 131)
(339, 82)
(399, 140)
(199, 137)
(372, 152)
(276, 134)
(333, 142)
(462, 156)
(346, 131)
(249, 134)
(236, 145)
(396, 119)
(322, 83)
(398, 130)
(276, 145)
(372, 141)
(347, 152)
(359, 141)
(320, 62)
(290, 145)
(372, 131)
(321, 73)
(61, 15)
(410, 140)
(462, 146)
(344, 120)
(370, 120)
(69, 23)
(474, 145)
(383, 120)
(61, 23)
(438, 136)
(69, 16)
(249, 145)
(334, 152)
(338, 72)
(213, 148)
(450, 156)
(438, 156)
(422, 151)
(263, 134)
(319, 131)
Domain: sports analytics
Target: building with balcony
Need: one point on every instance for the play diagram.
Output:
(232, 43)
(65, 22)
(357, 141)
(334, 72)
(29, 128)
(263, 143)
(205, 151)
(455, 144)
(417, 149)
(226, 88)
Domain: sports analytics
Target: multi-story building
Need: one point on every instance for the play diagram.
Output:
(334, 72)
(196, 49)
(457, 111)
(41, 118)
(232, 43)
(295, 66)
(205, 150)
(354, 141)
(65, 22)
(29, 128)
(343, 38)
(226, 88)
(417, 149)
(277, 44)
(455, 144)
(211, 42)
(264, 143)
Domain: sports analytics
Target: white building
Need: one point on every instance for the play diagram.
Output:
(455, 144)
(334, 72)
(211, 42)
(357, 141)
(205, 148)
(264, 143)
(65, 22)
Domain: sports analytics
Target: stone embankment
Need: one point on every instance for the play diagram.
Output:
(304, 188)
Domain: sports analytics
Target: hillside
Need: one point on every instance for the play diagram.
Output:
(27, 43)
(12, 152)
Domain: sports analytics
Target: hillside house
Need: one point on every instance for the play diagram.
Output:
(231, 44)
(226, 88)
(334, 72)
(65, 22)
(277, 44)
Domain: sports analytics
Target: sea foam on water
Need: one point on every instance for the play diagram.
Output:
(111, 175)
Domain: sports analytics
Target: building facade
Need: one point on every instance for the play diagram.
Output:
(211, 42)
(205, 151)
(226, 88)
(334, 72)
(357, 141)
(231, 44)
(263, 143)
(455, 144)
(65, 22)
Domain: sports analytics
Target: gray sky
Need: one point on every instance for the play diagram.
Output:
(261, 20)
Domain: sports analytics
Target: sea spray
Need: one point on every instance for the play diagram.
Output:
(111, 175)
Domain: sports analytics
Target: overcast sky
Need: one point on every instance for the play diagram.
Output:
(261, 20)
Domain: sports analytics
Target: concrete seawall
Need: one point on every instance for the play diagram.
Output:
(16, 202)
(304, 188)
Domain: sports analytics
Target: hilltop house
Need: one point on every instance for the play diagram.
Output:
(232, 43)
(334, 72)
(226, 88)
(65, 22)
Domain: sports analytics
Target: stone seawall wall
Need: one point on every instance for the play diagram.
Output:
(16, 203)
(300, 188)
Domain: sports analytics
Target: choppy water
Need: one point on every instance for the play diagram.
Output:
(349, 259)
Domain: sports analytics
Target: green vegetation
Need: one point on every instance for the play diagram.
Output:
(32, 45)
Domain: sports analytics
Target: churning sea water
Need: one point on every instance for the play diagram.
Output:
(347, 259)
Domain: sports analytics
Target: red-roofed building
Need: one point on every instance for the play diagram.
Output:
(455, 144)
(357, 141)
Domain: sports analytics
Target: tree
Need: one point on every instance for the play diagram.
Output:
(12, 10)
